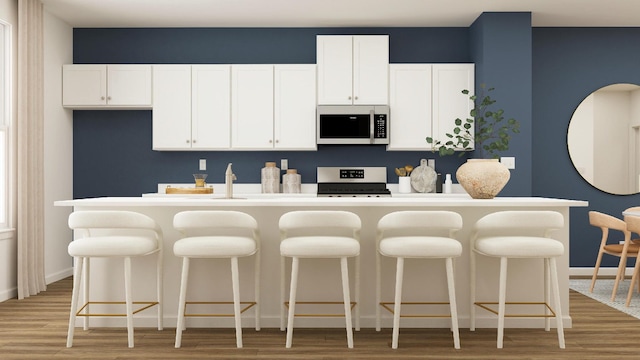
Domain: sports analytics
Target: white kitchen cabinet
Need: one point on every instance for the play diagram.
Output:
(210, 107)
(352, 69)
(295, 107)
(425, 100)
(449, 103)
(410, 106)
(106, 86)
(251, 107)
(191, 109)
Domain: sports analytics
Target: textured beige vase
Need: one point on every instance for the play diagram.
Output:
(483, 178)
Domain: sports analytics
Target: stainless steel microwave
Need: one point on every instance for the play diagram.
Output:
(352, 124)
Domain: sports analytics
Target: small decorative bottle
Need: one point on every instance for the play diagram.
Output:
(291, 182)
(447, 184)
(270, 178)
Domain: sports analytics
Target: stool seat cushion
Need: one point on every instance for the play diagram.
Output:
(214, 246)
(319, 246)
(112, 246)
(519, 246)
(420, 247)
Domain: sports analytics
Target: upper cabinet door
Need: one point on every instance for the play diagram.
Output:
(97, 86)
(171, 107)
(371, 69)
(353, 69)
(252, 106)
(211, 107)
(449, 103)
(334, 56)
(295, 107)
(410, 103)
(129, 85)
(84, 85)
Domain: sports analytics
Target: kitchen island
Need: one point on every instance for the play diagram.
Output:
(320, 280)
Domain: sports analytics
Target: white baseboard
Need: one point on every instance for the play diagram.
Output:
(9, 294)
(604, 271)
(51, 278)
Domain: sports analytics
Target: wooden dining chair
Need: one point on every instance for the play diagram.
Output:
(633, 226)
(622, 250)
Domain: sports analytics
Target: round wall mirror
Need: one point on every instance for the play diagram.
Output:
(604, 139)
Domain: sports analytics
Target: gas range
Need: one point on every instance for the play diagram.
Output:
(352, 181)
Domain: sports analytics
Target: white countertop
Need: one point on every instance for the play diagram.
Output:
(297, 200)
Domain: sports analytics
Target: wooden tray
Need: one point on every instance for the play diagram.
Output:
(191, 190)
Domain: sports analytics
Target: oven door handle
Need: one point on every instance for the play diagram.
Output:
(371, 127)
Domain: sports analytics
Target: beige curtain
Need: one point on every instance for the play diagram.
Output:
(30, 151)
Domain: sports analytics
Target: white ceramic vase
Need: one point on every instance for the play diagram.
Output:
(483, 178)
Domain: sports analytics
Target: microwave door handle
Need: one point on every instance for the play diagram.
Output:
(371, 127)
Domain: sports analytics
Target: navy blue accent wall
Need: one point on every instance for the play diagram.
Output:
(112, 149)
(569, 64)
(501, 50)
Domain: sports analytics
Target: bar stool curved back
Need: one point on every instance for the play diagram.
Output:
(316, 237)
(121, 234)
(213, 234)
(519, 234)
(420, 235)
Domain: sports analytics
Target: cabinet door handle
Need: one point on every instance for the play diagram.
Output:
(108, 97)
(277, 141)
(270, 141)
(187, 141)
(101, 97)
(349, 97)
(194, 141)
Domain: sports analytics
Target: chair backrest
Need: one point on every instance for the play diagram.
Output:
(542, 222)
(201, 221)
(633, 223)
(320, 219)
(111, 219)
(606, 221)
(423, 222)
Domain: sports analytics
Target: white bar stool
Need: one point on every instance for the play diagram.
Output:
(142, 236)
(214, 235)
(418, 235)
(314, 234)
(518, 234)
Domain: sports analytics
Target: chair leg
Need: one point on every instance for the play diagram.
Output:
(556, 296)
(397, 302)
(128, 301)
(282, 293)
(256, 282)
(634, 278)
(182, 301)
(77, 274)
(292, 300)
(452, 303)
(378, 289)
(619, 275)
(357, 292)
(86, 276)
(547, 297)
(472, 290)
(501, 300)
(347, 301)
(236, 300)
(160, 290)
(595, 271)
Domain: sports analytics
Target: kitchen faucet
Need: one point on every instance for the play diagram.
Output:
(229, 176)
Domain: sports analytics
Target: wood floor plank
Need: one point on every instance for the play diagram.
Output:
(36, 328)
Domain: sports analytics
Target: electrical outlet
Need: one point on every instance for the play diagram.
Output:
(508, 161)
(203, 164)
(284, 164)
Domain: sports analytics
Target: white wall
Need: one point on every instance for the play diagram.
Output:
(58, 149)
(8, 247)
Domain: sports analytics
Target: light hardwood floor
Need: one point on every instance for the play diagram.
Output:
(36, 328)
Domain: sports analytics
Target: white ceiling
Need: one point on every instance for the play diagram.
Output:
(335, 13)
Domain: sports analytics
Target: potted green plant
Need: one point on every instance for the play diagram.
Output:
(482, 177)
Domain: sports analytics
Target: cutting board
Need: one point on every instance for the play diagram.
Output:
(190, 190)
